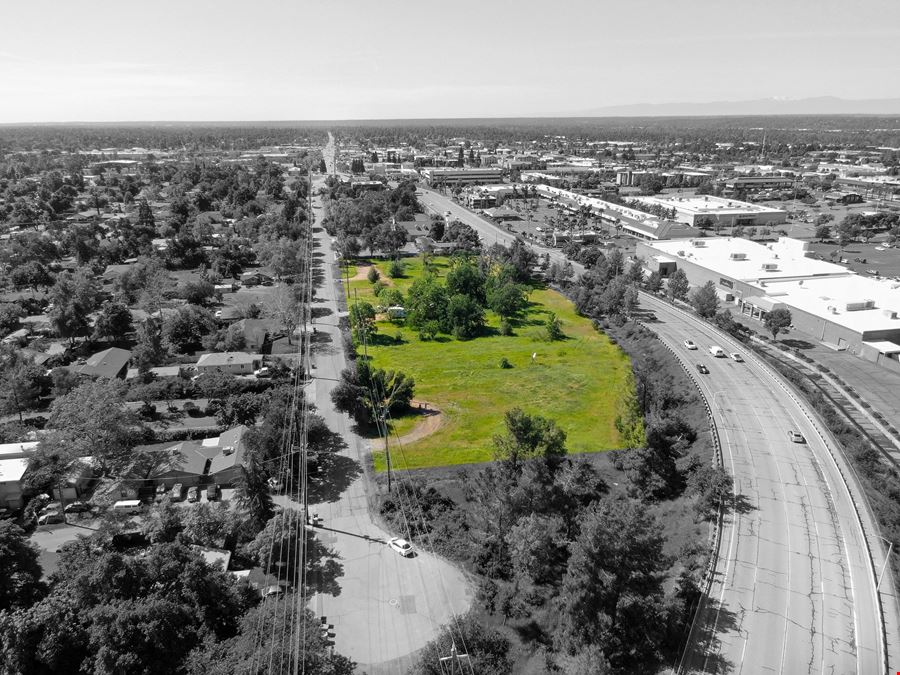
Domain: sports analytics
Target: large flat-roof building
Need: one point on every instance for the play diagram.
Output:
(462, 176)
(839, 307)
(726, 212)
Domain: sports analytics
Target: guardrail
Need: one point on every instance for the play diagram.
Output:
(824, 434)
(716, 536)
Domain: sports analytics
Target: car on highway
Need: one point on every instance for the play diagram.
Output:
(690, 344)
(796, 437)
(736, 357)
(401, 546)
(193, 494)
(702, 369)
(717, 351)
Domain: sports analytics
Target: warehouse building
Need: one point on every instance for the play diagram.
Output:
(436, 177)
(695, 209)
(840, 308)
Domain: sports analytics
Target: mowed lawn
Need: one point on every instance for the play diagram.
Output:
(576, 382)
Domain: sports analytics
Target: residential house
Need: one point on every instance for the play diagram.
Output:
(258, 277)
(235, 363)
(11, 474)
(110, 363)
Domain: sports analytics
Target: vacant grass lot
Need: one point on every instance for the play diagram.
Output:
(576, 381)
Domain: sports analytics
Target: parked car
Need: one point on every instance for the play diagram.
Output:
(401, 546)
(690, 344)
(193, 494)
(50, 518)
(160, 491)
(263, 372)
(77, 507)
(212, 492)
(796, 436)
(702, 369)
(736, 357)
(177, 493)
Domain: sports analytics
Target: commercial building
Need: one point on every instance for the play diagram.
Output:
(693, 210)
(747, 183)
(436, 177)
(840, 308)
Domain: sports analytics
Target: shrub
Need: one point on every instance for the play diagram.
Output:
(373, 274)
(504, 363)
(505, 327)
(396, 269)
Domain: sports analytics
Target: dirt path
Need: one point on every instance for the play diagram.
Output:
(431, 420)
(362, 274)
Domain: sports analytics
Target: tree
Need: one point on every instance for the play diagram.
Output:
(505, 297)
(362, 320)
(554, 328)
(364, 393)
(163, 523)
(613, 584)
(426, 301)
(712, 485)
(247, 653)
(74, 297)
(678, 285)
(653, 282)
(487, 648)
(465, 278)
(253, 488)
(536, 547)
(92, 420)
(184, 330)
(114, 321)
(528, 437)
(777, 321)
(373, 275)
(465, 316)
(705, 300)
(651, 470)
(196, 292)
(285, 306)
(20, 571)
(21, 383)
(149, 349)
(240, 409)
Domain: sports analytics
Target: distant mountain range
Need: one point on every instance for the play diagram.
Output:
(820, 105)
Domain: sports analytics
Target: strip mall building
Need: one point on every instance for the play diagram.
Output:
(840, 308)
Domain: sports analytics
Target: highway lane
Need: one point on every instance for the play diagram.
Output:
(794, 587)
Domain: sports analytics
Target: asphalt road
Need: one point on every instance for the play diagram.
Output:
(794, 587)
(385, 607)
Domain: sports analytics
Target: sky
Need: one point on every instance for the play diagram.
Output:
(193, 60)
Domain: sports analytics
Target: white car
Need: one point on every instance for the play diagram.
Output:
(263, 372)
(690, 344)
(736, 357)
(796, 437)
(401, 546)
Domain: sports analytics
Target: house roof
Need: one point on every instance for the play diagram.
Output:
(207, 456)
(105, 364)
(230, 450)
(12, 470)
(227, 359)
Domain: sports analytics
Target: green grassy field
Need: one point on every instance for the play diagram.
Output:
(575, 381)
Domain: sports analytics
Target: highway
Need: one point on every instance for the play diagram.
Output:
(794, 588)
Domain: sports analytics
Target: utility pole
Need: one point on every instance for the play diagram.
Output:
(450, 665)
(387, 450)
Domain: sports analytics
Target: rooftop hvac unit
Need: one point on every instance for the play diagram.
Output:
(681, 253)
(227, 450)
(832, 309)
(889, 313)
(738, 256)
(860, 305)
(698, 243)
(770, 267)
